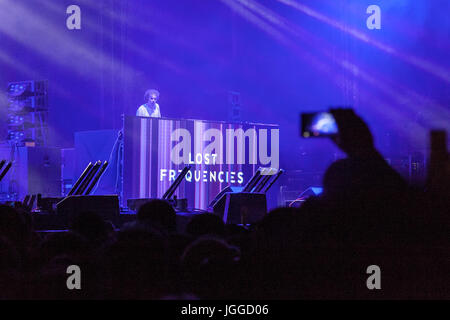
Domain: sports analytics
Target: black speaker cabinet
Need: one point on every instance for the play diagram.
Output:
(106, 206)
(241, 208)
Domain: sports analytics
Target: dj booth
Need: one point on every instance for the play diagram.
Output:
(155, 150)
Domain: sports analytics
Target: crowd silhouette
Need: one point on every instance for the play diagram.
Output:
(366, 215)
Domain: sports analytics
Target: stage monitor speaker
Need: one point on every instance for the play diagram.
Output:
(241, 208)
(222, 192)
(219, 207)
(105, 206)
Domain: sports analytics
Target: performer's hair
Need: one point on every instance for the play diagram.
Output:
(150, 92)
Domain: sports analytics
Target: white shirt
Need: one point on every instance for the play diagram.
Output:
(146, 111)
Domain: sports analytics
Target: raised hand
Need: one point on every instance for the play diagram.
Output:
(354, 137)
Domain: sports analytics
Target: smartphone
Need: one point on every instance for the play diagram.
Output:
(318, 124)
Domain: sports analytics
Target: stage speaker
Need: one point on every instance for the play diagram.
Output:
(105, 206)
(241, 207)
(217, 206)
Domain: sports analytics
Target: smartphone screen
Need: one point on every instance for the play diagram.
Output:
(318, 124)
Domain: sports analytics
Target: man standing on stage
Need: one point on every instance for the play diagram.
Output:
(151, 108)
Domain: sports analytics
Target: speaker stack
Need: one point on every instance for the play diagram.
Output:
(248, 204)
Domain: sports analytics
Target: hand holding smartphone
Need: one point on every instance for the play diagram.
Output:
(318, 124)
(344, 127)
